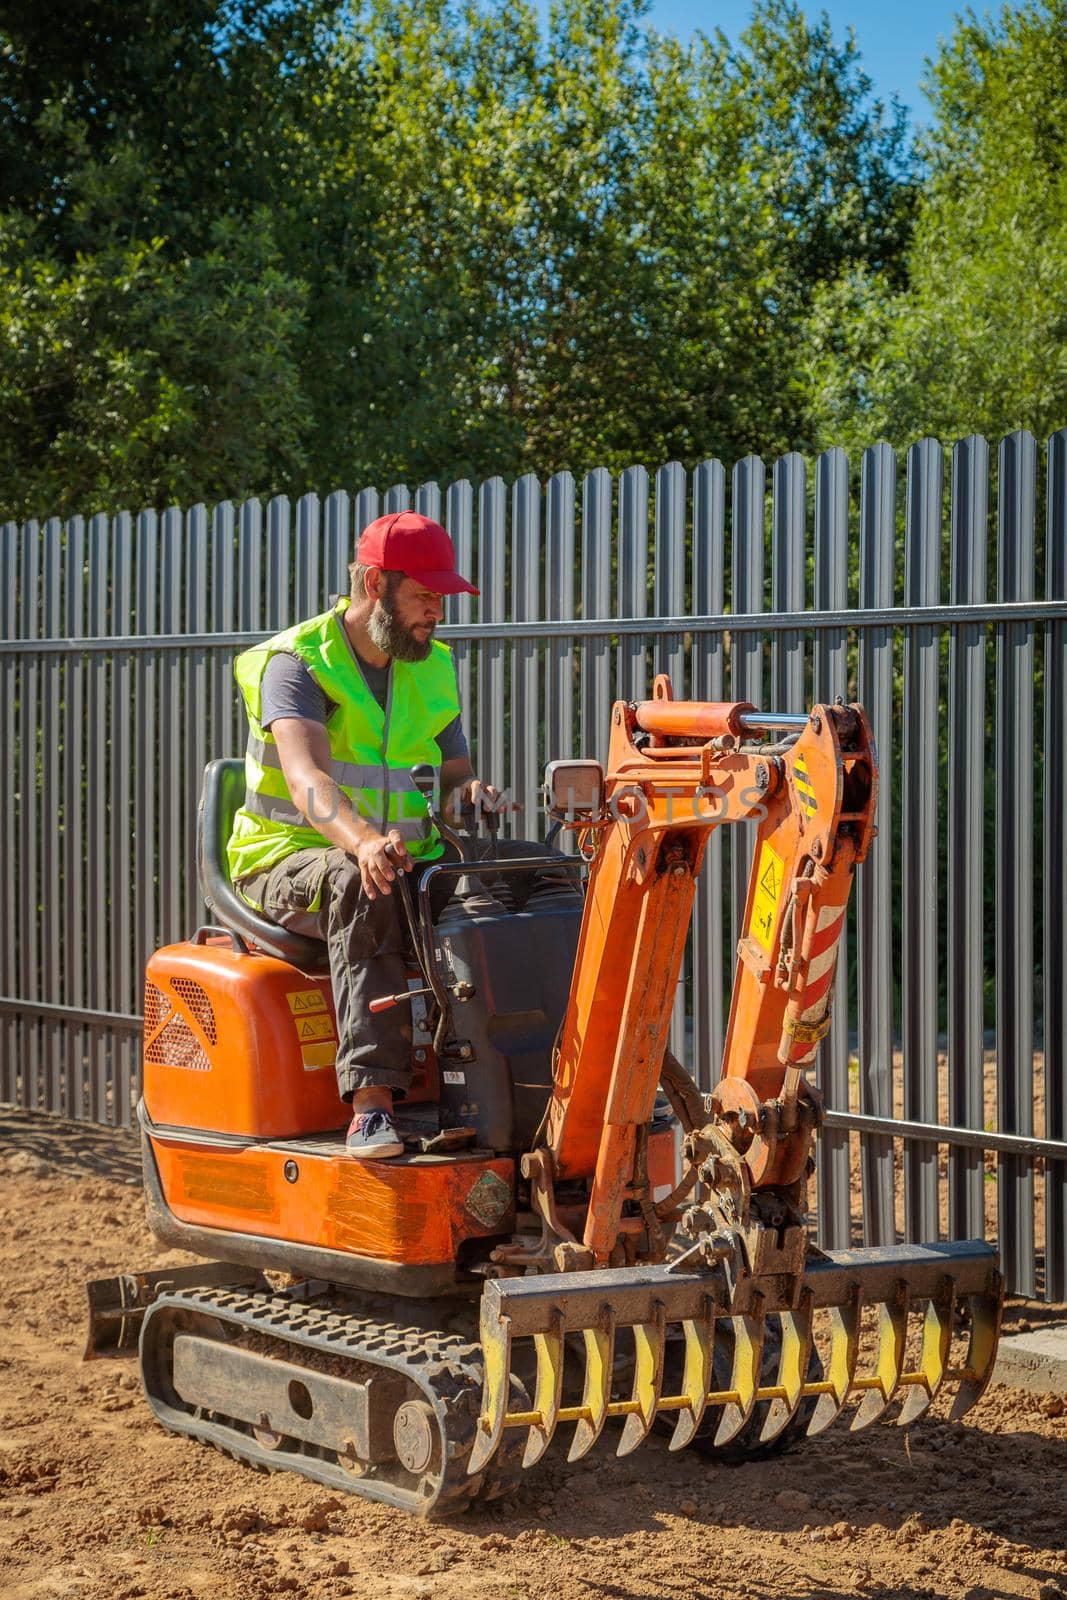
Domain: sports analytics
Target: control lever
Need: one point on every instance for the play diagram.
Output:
(385, 1002)
(492, 825)
(469, 819)
(424, 779)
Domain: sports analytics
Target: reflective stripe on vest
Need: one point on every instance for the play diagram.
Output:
(371, 750)
(346, 773)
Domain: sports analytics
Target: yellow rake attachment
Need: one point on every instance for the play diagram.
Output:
(957, 1283)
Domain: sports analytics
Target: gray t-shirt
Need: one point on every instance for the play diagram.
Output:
(289, 690)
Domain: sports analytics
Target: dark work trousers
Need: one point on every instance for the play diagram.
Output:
(319, 894)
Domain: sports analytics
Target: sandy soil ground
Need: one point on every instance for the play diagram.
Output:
(95, 1500)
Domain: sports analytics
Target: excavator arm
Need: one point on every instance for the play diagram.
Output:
(808, 786)
(698, 767)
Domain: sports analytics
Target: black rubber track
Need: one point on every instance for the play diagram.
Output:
(445, 1370)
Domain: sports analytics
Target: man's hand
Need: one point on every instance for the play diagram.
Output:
(484, 797)
(379, 858)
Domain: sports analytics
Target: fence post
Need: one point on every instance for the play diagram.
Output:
(596, 602)
(709, 582)
(459, 520)
(632, 681)
(875, 916)
(788, 517)
(492, 556)
(525, 674)
(1014, 786)
(55, 934)
(559, 604)
(966, 830)
(830, 679)
(123, 864)
(1055, 872)
(746, 649)
(919, 948)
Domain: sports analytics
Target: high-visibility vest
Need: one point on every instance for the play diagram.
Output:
(372, 750)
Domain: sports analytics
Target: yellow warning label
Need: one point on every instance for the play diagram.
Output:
(306, 1000)
(314, 1028)
(768, 892)
(319, 1055)
(804, 785)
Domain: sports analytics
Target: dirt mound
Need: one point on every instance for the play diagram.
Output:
(95, 1500)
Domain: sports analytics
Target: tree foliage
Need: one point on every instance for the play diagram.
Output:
(974, 340)
(250, 245)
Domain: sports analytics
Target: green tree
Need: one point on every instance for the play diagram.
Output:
(129, 377)
(151, 320)
(760, 170)
(248, 245)
(975, 339)
(591, 245)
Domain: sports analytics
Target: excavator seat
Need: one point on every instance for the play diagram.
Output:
(223, 792)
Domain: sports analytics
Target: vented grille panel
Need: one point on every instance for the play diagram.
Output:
(177, 1046)
(196, 1001)
(156, 1008)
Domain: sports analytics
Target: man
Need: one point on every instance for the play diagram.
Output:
(340, 708)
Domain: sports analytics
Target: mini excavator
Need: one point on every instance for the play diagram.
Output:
(576, 1239)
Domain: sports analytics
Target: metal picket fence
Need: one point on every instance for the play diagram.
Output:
(943, 607)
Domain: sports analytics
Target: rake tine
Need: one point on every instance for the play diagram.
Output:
(648, 1379)
(744, 1380)
(697, 1375)
(792, 1368)
(986, 1312)
(596, 1387)
(548, 1387)
(892, 1331)
(844, 1349)
(496, 1347)
(933, 1359)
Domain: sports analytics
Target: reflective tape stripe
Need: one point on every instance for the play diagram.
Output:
(401, 781)
(350, 775)
(266, 755)
(273, 809)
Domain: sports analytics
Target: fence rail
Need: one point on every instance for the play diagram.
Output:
(936, 594)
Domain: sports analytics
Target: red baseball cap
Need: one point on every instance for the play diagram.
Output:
(404, 541)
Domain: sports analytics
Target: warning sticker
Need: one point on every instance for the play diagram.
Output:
(804, 787)
(769, 881)
(303, 1000)
(315, 1056)
(314, 1028)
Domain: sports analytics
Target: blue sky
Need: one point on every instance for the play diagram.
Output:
(893, 35)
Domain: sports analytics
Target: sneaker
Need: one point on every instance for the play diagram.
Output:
(372, 1136)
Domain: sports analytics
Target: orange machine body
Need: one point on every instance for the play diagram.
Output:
(418, 1211)
(240, 1043)
(240, 1050)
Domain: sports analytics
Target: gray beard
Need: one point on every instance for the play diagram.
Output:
(389, 634)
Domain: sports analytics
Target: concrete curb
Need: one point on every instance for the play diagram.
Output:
(1036, 1360)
